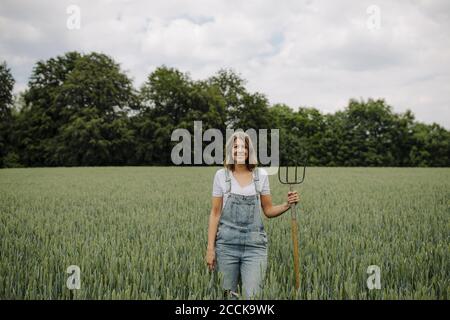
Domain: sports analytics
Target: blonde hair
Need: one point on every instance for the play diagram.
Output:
(251, 161)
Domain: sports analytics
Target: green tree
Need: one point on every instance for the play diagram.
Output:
(431, 146)
(6, 100)
(72, 104)
(82, 109)
(171, 100)
(369, 134)
(165, 98)
(282, 117)
(231, 86)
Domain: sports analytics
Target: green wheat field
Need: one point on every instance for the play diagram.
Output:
(141, 233)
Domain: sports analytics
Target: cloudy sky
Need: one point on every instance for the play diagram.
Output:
(303, 53)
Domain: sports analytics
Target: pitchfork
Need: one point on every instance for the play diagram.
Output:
(291, 182)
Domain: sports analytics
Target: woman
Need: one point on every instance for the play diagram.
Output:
(237, 241)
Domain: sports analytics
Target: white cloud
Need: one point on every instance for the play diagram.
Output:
(313, 53)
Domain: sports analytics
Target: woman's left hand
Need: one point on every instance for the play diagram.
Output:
(293, 197)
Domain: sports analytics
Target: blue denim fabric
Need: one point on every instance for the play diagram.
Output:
(241, 245)
(248, 262)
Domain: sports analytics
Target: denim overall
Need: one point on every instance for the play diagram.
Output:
(241, 241)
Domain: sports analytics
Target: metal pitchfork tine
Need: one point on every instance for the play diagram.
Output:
(294, 216)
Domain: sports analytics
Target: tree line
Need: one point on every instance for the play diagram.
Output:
(82, 110)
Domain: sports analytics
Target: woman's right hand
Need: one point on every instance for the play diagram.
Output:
(210, 258)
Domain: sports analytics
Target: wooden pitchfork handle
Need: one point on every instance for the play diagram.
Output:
(294, 230)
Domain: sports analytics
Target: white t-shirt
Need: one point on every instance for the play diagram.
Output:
(220, 185)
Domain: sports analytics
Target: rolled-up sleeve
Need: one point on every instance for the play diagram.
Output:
(265, 184)
(217, 188)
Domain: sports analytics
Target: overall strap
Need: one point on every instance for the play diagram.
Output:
(256, 180)
(227, 181)
(258, 194)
